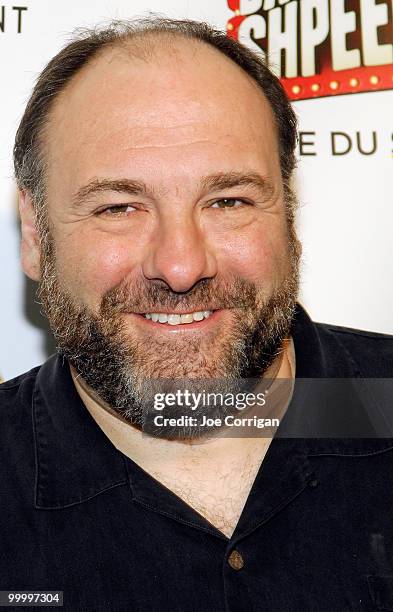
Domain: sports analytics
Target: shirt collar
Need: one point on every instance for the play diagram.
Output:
(329, 385)
(75, 460)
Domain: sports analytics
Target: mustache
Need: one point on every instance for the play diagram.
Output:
(151, 296)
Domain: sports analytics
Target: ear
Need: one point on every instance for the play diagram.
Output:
(30, 245)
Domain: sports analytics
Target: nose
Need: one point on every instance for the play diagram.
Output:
(179, 254)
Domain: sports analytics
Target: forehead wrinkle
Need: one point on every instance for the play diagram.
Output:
(169, 144)
(179, 134)
(129, 137)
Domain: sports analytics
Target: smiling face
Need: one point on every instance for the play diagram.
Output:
(165, 201)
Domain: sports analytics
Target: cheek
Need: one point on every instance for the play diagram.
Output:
(89, 266)
(258, 253)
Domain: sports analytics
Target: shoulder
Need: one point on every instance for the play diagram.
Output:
(16, 396)
(13, 383)
(11, 387)
(372, 352)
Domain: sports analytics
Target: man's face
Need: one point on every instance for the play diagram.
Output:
(165, 196)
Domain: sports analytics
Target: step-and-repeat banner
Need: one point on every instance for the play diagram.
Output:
(335, 59)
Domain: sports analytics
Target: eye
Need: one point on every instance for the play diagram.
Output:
(117, 210)
(229, 203)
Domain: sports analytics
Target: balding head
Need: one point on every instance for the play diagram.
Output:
(28, 153)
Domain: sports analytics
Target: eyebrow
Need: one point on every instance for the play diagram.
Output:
(228, 180)
(103, 185)
(213, 182)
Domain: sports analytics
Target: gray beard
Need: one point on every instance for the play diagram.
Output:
(125, 375)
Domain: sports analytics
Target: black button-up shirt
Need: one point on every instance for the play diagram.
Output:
(316, 533)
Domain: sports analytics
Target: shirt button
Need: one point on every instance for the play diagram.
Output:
(235, 560)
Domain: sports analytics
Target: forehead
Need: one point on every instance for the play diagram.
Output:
(184, 98)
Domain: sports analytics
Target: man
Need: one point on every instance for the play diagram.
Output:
(154, 162)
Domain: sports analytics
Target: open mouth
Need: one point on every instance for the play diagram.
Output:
(178, 318)
(173, 321)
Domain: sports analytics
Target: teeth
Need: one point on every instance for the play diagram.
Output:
(187, 318)
(173, 319)
(177, 319)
